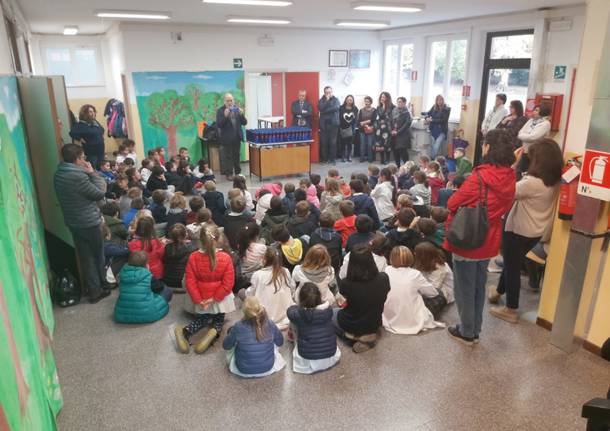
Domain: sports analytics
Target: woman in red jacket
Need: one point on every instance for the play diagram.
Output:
(470, 266)
(209, 280)
(145, 239)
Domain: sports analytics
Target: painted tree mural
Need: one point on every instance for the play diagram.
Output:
(172, 104)
(169, 112)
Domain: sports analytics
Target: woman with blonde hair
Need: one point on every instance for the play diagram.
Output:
(273, 287)
(209, 280)
(316, 268)
(252, 343)
(331, 198)
(404, 311)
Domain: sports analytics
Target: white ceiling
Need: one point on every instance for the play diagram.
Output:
(50, 16)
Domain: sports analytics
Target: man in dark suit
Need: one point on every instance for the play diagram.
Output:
(301, 111)
(229, 121)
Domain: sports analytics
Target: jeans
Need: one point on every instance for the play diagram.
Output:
(366, 147)
(229, 157)
(401, 155)
(514, 249)
(89, 245)
(328, 143)
(437, 144)
(469, 281)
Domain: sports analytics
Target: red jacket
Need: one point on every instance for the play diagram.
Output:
(155, 255)
(501, 191)
(435, 185)
(345, 226)
(203, 283)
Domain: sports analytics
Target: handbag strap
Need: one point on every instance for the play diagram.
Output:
(481, 190)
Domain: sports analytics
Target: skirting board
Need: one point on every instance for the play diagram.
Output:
(587, 345)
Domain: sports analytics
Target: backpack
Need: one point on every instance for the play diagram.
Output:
(65, 290)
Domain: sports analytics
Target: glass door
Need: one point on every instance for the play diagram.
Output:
(506, 70)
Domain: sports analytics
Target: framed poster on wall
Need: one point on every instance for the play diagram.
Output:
(359, 59)
(337, 58)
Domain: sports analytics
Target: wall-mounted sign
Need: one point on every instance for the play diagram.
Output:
(595, 175)
(238, 63)
(559, 73)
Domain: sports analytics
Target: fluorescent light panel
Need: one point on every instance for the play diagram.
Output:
(361, 23)
(70, 30)
(132, 14)
(277, 3)
(388, 7)
(257, 20)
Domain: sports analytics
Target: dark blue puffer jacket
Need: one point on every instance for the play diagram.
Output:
(137, 303)
(253, 356)
(363, 204)
(316, 337)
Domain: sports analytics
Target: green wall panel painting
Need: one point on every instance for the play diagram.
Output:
(171, 104)
(30, 395)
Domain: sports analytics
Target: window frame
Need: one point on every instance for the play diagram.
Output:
(395, 89)
(73, 47)
(429, 75)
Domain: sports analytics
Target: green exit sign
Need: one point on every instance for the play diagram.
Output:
(238, 63)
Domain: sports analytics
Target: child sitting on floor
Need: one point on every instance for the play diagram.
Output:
(347, 224)
(118, 231)
(136, 205)
(175, 257)
(288, 201)
(300, 224)
(204, 217)
(137, 303)
(203, 172)
(311, 191)
(405, 232)
(273, 287)
(209, 280)
(463, 166)
(315, 181)
(373, 177)
(343, 186)
(364, 232)
(331, 198)
(274, 216)
(251, 251)
(196, 203)
(252, 343)
(177, 210)
(421, 188)
(235, 220)
(145, 239)
(157, 208)
(315, 340)
(293, 250)
(436, 180)
(326, 236)
(424, 161)
(317, 268)
(239, 182)
(215, 202)
(430, 261)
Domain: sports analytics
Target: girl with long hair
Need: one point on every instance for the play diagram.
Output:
(251, 251)
(145, 239)
(175, 257)
(384, 195)
(273, 287)
(209, 280)
(316, 268)
(252, 343)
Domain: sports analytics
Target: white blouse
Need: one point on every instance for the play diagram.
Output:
(275, 303)
(382, 197)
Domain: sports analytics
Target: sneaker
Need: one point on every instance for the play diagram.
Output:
(349, 160)
(206, 341)
(475, 340)
(455, 333)
(364, 343)
(181, 342)
(507, 314)
(493, 296)
(104, 293)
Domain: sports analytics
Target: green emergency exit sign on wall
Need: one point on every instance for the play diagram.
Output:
(238, 63)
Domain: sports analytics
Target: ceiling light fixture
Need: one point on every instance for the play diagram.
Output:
(70, 30)
(361, 23)
(254, 20)
(277, 3)
(388, 7)
(131, 14)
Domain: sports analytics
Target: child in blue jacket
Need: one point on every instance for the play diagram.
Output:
(252, 343)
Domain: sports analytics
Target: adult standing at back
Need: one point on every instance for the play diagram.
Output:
(401, 131)
(301, 111)
(514, 122)
(497, 113)
(491, 184)
(384, 126)
(79, 187)
(348, 116)
(537, 127)
(367, 120)
(229, 120)
(529, 221)
(328, 106)
(437, 119)
(90, 133)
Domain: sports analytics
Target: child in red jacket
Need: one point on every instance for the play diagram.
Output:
(346, 225)
(145, 239)
(209, 280)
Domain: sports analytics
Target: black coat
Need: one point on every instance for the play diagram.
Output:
(232, 225)
(365, 301)
(363, 204)
(175, 218)
(329, 112)
(228, 134)
(299, 226)
(409, 238)
(401, 123)
(301, 114)
(316, 337)
(174, 261)
(155, 183)
(332, 241)
(215, 202)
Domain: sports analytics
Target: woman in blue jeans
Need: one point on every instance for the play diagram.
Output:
(438, 122)
(494, 182)
(367, 119)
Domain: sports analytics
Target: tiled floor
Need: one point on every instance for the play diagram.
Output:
(118, 377)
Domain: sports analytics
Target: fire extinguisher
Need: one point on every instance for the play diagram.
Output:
(568, 191)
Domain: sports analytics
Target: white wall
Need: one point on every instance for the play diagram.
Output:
(6, 63)
(150, 48)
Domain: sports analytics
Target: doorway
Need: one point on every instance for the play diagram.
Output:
(506, 69)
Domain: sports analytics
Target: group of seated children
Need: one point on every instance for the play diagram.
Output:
(307, 262)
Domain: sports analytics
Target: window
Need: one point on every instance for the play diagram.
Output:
(398, 67)
(80, 65)
(446, 72)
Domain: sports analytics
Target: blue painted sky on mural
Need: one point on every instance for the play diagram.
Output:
(147, 83)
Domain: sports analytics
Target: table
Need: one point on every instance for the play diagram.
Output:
(270, 122)
(279, 158)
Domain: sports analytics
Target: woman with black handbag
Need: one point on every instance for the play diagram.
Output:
(348, 114)
(384, 127)
(367, 119)
(474, 230)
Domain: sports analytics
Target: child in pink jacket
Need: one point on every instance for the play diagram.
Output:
(312, 192)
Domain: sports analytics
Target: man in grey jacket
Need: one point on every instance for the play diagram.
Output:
(79, 187)
(329, 125)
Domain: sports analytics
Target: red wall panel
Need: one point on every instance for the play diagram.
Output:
(310, 82)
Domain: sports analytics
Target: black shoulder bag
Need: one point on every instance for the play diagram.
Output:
(469, 227)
